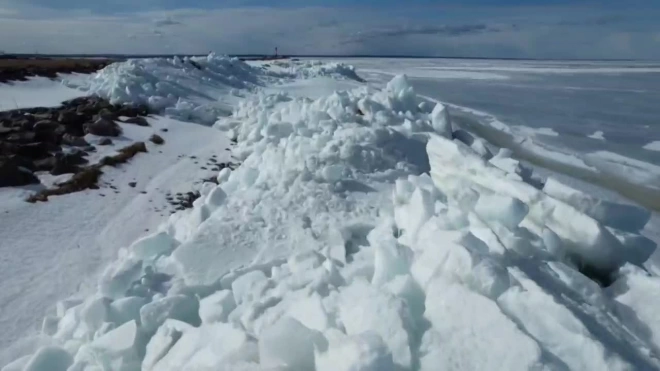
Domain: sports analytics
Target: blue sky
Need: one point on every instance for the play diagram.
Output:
(472, 28)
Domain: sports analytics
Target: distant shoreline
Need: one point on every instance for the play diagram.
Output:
(267, 56)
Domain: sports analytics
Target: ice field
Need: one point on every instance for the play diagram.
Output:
(376, 222)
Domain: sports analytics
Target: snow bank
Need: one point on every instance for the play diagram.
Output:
(358, 234)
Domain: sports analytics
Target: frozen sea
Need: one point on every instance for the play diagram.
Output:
(574, 99)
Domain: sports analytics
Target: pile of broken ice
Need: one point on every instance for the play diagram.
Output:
(359, 234)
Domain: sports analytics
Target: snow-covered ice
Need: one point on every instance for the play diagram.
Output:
(366, 229)
(653, 146)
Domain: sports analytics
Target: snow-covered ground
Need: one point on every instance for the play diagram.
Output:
(365, 229)
(37, 92)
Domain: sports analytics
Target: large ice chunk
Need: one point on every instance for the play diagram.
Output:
(363, 352)
(153, 245)
(506, 210)
(637, 294)
(625, 217)
(557, 328)
(289, 345)
(469, 332)
(310, 313)
(211, 347)
(216, 307)
(411, 216)
(364, 308)
(119, 277)
(441, 121)
(180, 307)
(249, 286)
(94, 312)
(118, 341)
(161, 343)
(126, 309)
(50, 358)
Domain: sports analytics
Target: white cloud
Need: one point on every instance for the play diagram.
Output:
(332, 31)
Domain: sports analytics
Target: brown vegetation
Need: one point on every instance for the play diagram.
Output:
(19, 69)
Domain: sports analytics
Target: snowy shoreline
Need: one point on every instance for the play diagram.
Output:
(363, 230)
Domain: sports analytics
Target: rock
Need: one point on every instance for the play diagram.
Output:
(63, 167)
(67, 163)
(48, 131)
(21, 137)
(25, 123)
(73, 121)
(71, 140)
(139, 121)
(37, 150)
(23, 162)
(13, 175)
(46, 125)
(132, 184)
(132, 111)
(106, 114)
(105, 142)
(103, 127)
(156, 139)
(164, 130)
(46, 164)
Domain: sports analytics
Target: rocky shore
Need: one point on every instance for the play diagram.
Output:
(53, 139)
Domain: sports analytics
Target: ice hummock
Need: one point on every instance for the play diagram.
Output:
(360, 233)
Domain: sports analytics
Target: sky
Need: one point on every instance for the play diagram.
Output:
(555, 29)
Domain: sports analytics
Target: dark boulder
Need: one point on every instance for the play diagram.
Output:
(21, 137)
(73, 120)
(107, 114)
(156, 139)
(67, 163)
(46, 164)
(105, 142)
(104, 128)
(12, 174)
(139, 121)
(36, 150)
(70, 140)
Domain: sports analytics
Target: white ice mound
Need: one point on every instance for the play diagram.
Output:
(182, 87)
(458, 171)
(347, 240)
(308, 69)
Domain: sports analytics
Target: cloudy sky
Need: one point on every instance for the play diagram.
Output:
(621, 29)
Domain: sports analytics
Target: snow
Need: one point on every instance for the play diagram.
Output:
(653, 146)
(56, 248)
(525, 130)
(597, 135)
(365, 230)
(37, 92)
